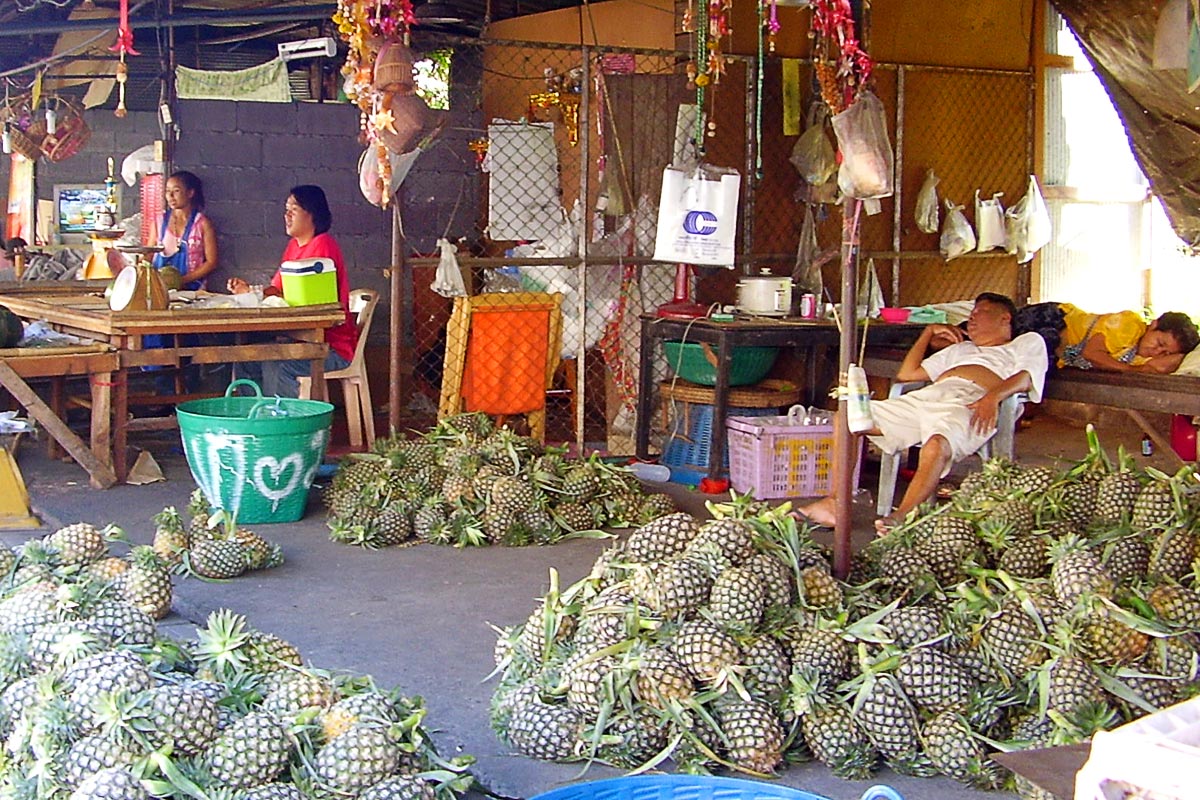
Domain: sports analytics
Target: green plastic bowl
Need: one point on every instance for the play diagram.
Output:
(690, 361)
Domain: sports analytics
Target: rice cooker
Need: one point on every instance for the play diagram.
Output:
(765, 295)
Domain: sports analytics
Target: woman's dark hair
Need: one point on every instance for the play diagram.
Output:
(1182, 328)
(312, 199)
(192, 184)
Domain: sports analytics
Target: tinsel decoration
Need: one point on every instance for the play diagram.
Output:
(842, 66)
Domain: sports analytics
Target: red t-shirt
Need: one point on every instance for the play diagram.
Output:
(342, 338)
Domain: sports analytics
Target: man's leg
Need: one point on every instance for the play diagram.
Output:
(936, 456)
(824, 511)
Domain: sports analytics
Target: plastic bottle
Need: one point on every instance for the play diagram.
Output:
(858, 400)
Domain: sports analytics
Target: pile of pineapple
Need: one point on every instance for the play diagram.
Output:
(1034, 608)
(467, 483)
(95, 705)
(210, 545)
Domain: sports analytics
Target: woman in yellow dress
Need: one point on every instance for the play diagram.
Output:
(1117, 342)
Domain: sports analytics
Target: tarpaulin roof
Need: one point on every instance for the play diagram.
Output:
(1160, 116)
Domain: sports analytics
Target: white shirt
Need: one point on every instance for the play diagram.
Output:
(1025, 353)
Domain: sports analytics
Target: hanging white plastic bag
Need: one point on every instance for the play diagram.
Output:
(927, 204)
(813, 155)
(448, 280)
(1028, 224)
(867, 161)
(697, 216)
(957, 237)
(807, 271)
(989, 223)
(870, 293)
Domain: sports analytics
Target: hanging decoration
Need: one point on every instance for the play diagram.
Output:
(564, 90)
(123, 46)
(772, 23)
(842, 66)
(709, 22)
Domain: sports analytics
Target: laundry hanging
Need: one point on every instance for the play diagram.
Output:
(266, 83)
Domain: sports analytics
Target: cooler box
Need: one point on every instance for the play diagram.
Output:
(309, 281)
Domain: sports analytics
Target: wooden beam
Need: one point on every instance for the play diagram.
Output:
(101, 474)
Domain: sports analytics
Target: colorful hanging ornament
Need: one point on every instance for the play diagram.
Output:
(124, 43)
(773, 25)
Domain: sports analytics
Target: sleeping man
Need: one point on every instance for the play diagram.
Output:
(954, 415)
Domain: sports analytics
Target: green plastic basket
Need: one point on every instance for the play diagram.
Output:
(255, 456)
(696, 362)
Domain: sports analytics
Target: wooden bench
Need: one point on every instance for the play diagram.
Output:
(1131, 392)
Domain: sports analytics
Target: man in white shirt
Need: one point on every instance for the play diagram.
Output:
(955, 414)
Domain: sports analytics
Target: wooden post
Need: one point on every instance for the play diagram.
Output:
(394, 320)
(842, 439)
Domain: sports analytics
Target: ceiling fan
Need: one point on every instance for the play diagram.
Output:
(444, 16)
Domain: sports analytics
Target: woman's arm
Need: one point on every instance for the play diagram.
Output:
(208, 235)
(1095, 350)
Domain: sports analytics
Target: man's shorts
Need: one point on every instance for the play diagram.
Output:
(939, 408)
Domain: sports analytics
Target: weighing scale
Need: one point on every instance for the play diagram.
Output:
(97, 265)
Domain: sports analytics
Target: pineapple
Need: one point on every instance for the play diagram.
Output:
(824, 652)
(255, 549)
(540, 730)
(217, 558)
(108, 570)
(679, 587)
(584, 676)
(198, 510)
(904, 569)
(393, 524)
(732, 537)
(933, 681)
(266, 653)
(951, 746)
(776, 578)
(123, 623)
(397, 787)
(662, 538)
(147, 584)
(1115, 496)
(912, 626)
(639, 737)
(512, 493)
(61, 644)
(574, 517)
(1015, 516)
(829, 729)
(171, 539)
(1154, 507)
(819, 589)
(91, 755)
(1127, 558)
(1012, 639)
(251, 751)
(362, 756)
(110, 783)
(661, 678)
(1173, 553)
(767, 668)
(1033, 482)
(290, 692)
(753, 734)
(888, 718)
(1076, 503)
(1072, 686)
(1025, 557)
(705, 650)
(79, 543)
(1177, 605)
(181, 717)
(1077, 572)
(581, 483)
(127, 675)
(654, 506)
(272, 791)
(1106, 640)
(738, 599)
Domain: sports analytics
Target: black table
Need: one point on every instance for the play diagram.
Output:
(816, 336)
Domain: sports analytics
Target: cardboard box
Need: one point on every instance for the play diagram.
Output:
(1154, 758)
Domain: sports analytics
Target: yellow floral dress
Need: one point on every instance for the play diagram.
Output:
(1121, 330)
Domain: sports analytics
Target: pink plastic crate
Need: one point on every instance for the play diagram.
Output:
(772, 457)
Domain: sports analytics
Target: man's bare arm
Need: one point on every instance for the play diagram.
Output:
(987, 408)
(910, 368)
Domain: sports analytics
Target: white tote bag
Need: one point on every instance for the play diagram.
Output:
(697, 216)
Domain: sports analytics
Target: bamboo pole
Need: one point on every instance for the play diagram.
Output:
(395, 294)
(843, 440)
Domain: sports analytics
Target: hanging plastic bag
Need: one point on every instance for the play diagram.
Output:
(807, 272)
(867, 161)
(448, 280)
(927, 204)
(989, 223)
(368, 176)
(870, 293)
(957, 237)
(813, 155)
(697, 216)
(1028, 224)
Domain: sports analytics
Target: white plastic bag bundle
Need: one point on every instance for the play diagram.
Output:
(867, 161)
(813, 155)
(957, 237)
(989, 223)
(448, 280)
(1028, 224)
(927, 204)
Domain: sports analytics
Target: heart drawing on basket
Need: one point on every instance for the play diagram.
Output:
(269, 464)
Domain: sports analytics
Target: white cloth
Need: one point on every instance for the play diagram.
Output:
(937, 409)
(1026, 352)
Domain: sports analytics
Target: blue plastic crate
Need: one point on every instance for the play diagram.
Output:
(689, 439)
(692, 787)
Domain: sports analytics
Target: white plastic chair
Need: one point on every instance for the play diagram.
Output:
(1000, 445)
(355, 388)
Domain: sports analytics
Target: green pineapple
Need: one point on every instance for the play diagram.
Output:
(661, 678)
(904, 569)
(397, 787)
(60, 644)
(1077, 571)
(458, 488)
(359, 758)
(830, 731)
(754, 735)
(654, 506)
(885, 714)
(676, 589)
(823, 652)
(733, 538)
(584, 675)
(79, 543)
(253, 750)
(429, 520)
(171, 538)
(632, 738)
(198, 510)
(496, 524)
(289, 692)
(767, 667)
(662, 538)
(541, 730)
(217, 558)
(1173, 553)
(91, 755)
(1012, 639)
(181, 717)
(1127, 558)
(272, 791)
(1071, 686)
(126, 675)
(951, 746)
(1025, 557)
(776, 578)
(1154, 507)
(705, 650)
(147, 584)
(934, 681)
(1076, 503)
(266, 653)
(1014, 516)
(110, 783)
(1033, 481)
(512, 493)
(912, 626)
(123, 623)
(738, 599)
(573, 516)
(1115, 496)
(581, 483)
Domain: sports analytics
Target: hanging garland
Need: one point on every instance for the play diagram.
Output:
(842, 66)
(123, 46)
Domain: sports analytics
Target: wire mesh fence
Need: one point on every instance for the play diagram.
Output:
(556, 213)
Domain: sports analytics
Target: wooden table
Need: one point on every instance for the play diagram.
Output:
(88, 316)
(815, 336)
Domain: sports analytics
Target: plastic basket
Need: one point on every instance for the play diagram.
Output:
(689, 439)
(773, 457)
(697, 362)
(255, 456)
(692, 787)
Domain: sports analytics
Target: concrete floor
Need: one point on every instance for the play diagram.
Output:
(418, 617)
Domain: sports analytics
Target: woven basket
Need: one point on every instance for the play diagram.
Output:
(394, 69)
(28, 142)
(772, 392)
(70, 135)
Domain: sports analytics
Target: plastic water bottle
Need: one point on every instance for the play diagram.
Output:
(858, 401)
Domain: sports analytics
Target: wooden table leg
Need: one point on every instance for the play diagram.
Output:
(645, 379)
(101, 384)
(58, 405)
(319, 390)
(120, 424)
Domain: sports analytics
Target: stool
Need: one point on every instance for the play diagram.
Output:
(687, 410)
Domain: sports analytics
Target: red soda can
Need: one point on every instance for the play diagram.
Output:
(808, 306)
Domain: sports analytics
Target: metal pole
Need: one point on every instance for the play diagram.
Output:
(843, 441)
(394, 319)
(585, 235)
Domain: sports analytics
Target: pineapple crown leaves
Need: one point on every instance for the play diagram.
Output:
(739, 506)
(176, 780)
(221, 644)
(1090, 718)
(1120, 690)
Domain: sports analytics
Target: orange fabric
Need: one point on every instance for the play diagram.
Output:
(505, 372)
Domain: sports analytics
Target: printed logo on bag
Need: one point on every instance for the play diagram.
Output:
(700, 223)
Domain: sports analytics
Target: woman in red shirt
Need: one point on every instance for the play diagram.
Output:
(307, 219)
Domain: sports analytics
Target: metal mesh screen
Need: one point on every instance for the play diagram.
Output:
(571, 145)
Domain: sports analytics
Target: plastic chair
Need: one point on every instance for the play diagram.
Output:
(356, 389)
(1000, 445)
